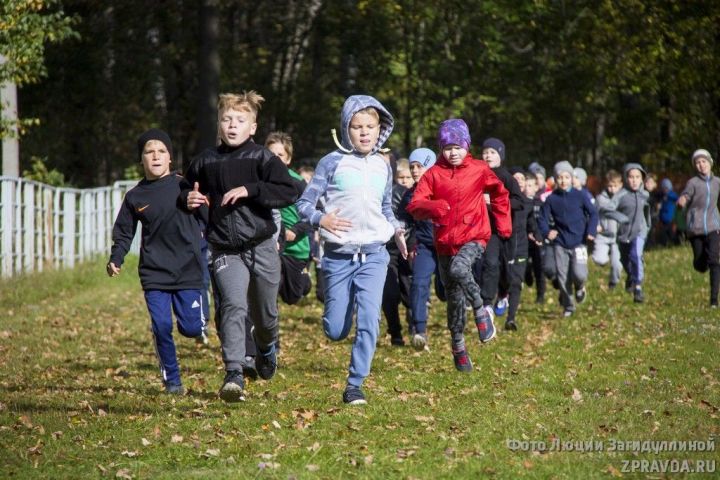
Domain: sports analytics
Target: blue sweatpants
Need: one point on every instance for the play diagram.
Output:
(188, 308)
(424, 265)
(354, 283)
(631, 257)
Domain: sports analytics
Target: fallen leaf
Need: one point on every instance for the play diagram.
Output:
(312, 468)
(614, 471)
(368, 460)
(129, 454)
(212, 452)
(176, 438)
(276, 424)
(123, 473)
(576, 395)
(145, 442)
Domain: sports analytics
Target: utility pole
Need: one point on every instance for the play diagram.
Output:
(10, 144)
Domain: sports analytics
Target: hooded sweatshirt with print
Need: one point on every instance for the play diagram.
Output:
(358, 186)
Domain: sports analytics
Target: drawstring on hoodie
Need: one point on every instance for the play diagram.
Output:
(337, 142)
(359, 256)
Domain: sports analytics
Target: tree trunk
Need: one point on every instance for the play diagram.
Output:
(209, 74)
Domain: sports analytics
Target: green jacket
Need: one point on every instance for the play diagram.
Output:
(300, 247)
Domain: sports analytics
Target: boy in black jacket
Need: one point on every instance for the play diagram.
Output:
(242, 182)
(171, 264)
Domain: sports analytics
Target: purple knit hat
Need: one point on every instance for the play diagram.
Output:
(454, 132)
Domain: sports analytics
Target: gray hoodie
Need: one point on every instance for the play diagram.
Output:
(359, 186)
(635, 205)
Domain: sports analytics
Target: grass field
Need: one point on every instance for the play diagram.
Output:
(80, 393)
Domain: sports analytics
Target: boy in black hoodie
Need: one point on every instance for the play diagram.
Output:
(171, 265)
(242, 182)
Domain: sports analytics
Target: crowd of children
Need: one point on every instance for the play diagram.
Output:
(379, 230)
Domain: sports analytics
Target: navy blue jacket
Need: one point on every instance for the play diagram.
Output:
(574, 216)
(418, 231)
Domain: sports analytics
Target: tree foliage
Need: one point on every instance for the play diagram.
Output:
(594, 82)
(26, 27)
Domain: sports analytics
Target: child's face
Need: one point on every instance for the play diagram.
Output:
(307, 176)
(634, 179)
(650, 184)
(279, 151)
(155, 160)
(520, 179)
(531, 187)
(404, 178)
(236, 126)
(364, 132)
(492, 157)
(416, 170)
(577, 185)
(540, 180)
(454, 154)
(614, 186)
(702, 165)
(564, 180)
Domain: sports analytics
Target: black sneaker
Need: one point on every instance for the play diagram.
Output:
(353, 396)
(249, 369)
(611, 286)
(266, 363)
(510, 325)
(540, 299)
(580, 295)
(638, 296)
(397, 341)
(233, 387)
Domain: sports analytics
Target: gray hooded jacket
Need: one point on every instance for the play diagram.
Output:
(359, 186)
(635, 205)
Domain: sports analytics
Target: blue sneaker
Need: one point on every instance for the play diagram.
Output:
(501, 306)
(484, 321)
(462, 361)
(353, 396)
(233, 387)
(174, 389)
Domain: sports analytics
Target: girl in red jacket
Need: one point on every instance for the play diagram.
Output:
(451, 195)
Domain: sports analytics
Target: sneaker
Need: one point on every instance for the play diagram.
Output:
(568, 313)
(249, 369)
(203, 339)
(484, 321)
(629, 285)
(638, 296)
(611, 286)
(266, 363)
(174, 389)
(419, 341)
(462, 361)
(580, 295)
(714, 305)
(233, 385)
(501, 306)
(510, 325)
(353, 396)
(540, 299)
(397, 341)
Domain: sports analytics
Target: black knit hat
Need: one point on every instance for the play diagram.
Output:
(154, 134)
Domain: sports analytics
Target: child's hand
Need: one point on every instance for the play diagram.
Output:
(290, 236)
(112, 270)
(334, 224)
(196, 199)
(590, 238)
(682, 201)
(552, 235)
(400, 241)
(233, 195)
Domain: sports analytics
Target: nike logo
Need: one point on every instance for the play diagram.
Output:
(142, 208)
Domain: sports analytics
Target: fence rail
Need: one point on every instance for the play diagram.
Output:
(49, 227)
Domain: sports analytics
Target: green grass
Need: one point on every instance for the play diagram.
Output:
(80, 390)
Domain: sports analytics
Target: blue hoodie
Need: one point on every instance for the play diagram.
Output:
(360, 186)
(574, 216)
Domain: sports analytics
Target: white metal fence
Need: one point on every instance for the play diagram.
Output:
(49, 227)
